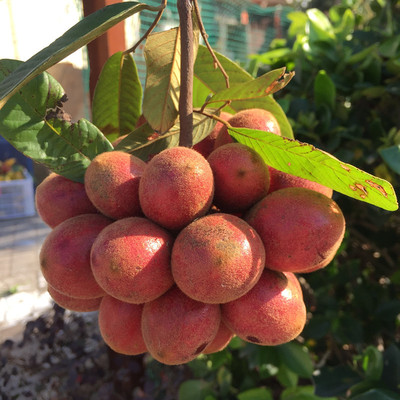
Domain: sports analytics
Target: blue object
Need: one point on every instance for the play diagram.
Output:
(7, 150)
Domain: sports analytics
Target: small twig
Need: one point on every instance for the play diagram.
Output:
(153, 25)
(213, 116)
(217, 64)
(187, 63)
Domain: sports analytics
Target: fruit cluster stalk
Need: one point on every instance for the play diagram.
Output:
(187, 60)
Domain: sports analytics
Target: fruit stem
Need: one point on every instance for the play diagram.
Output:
(187, 60)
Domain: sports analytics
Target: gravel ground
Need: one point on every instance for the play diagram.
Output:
(61, 356)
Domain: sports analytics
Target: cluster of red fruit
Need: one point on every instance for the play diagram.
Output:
(183, 252)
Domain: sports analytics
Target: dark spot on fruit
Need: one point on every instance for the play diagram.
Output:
(241, 173)
(201, 348)
(253, 339)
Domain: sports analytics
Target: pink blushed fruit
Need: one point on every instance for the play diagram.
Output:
(130, 260)
(58, 198)
(301, 229)
(65, 256)
(112, 184)
(217, 258)
(177, 187)
(241, 177)
(176, 328)
(120, 326)
(272, 313)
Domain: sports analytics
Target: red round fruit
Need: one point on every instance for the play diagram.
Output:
(120, 326)
(272, 313)
(131, 260)
(252, 118)
(176, 328)
(221, 340)
(217, 258)
(65, 256)
(58, 198)
(241, 177)
(282, 180)
(301, 229)
(112, 183)
(72, 303)
(177, 187)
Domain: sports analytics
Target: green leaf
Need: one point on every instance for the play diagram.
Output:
(272, 56)
(362, 55)
(391, 156)
(335, 381)
(79, 35)
(372, 363)
(389, 47)
(209, 80)
(306, 161)
(298, 22)
(34, 123)
(296, 357)
(117, 99)
(211, 77)
(302, 393)
(324, 90)
(377, 394)
(161, 94)
(258, 88)
(346, 26)
(138, 143)
(319, 26)
(194, 389)
(391, 370)
(286, 377)
(260, 393)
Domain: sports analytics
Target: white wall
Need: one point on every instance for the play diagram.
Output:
(27, 26)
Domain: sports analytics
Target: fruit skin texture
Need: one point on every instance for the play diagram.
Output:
(217, 258)
(176, 328)
(65, 256)
(72, 303)
(120, 326)
(221, 340)
(131, 260)
(177, 187)
(241, 177)
(272, 313)
(281, 180)
(252, 118)
(206, 146)
(58, 198)
(301, 229)
(112, 183)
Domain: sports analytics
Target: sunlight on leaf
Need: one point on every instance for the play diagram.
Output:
(145, 143)
(117, 99)
(306, 161)
(261, 87)
(79, 35)
(33, 121)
